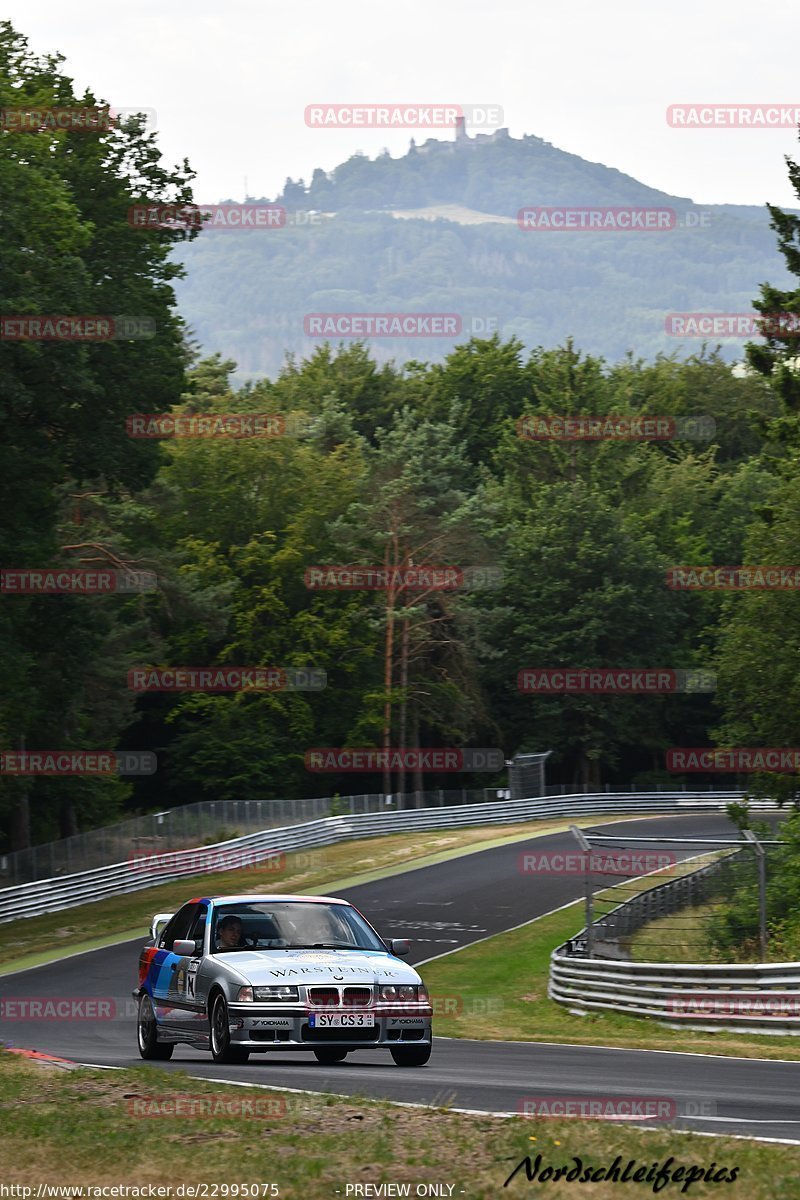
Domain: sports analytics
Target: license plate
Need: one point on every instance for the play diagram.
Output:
(341, 1020)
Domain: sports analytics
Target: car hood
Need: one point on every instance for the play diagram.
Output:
(319, 966)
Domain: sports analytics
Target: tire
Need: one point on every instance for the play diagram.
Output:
(219, 1035)
(411, 1056)
(147, 1032)
(328, 1055)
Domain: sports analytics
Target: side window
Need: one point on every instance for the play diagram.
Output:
(198, 927)
(178, 926)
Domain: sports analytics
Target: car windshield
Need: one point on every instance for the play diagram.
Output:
(290, 925)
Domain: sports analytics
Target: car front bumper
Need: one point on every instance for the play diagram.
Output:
(287, 1027)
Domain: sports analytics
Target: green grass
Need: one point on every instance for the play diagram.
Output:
(79, 1128)
(28, 942)
(679, 937)
(497, 990)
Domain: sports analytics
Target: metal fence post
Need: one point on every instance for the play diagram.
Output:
(762, 890)
(586, 848)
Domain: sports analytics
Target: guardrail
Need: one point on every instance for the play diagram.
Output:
(54, 895)
(757, 998)
(204, 822)
(738, 997)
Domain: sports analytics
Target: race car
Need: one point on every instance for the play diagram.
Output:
(242, 974)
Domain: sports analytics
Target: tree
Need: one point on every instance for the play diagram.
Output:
(583, 587)
(486, 377)
(776, 357)
(69, 249)
(238, 521)
(413, 514)
(759, 655)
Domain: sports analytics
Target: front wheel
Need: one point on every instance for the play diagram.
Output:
(327, 1055)
(411, 1056)
(147, 1032)
(221, 1049)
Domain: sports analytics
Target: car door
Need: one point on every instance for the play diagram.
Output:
(189, 999)
(169, 987)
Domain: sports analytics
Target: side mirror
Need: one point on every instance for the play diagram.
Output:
(185, 947)
(400, 946)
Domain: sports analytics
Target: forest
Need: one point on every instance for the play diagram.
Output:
(562, 546)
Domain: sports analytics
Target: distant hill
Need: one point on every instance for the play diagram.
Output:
(368, 238)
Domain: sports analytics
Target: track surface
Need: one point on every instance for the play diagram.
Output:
(441, 908)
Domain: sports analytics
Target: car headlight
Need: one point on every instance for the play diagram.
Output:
(280, 991)
(403, 991)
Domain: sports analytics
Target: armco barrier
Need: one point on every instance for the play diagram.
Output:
(53, 895)
(744, 997)
(757, 998)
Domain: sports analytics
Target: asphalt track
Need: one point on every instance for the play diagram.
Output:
(441, 908)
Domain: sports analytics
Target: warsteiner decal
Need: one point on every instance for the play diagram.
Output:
(360, 971)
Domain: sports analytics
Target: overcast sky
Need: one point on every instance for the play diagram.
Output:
(230, 80)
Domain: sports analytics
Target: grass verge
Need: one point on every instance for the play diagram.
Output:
(26, 943)
(679, 937)
(497, 990)
(80, 1128)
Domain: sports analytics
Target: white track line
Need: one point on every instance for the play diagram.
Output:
(477, 1112)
